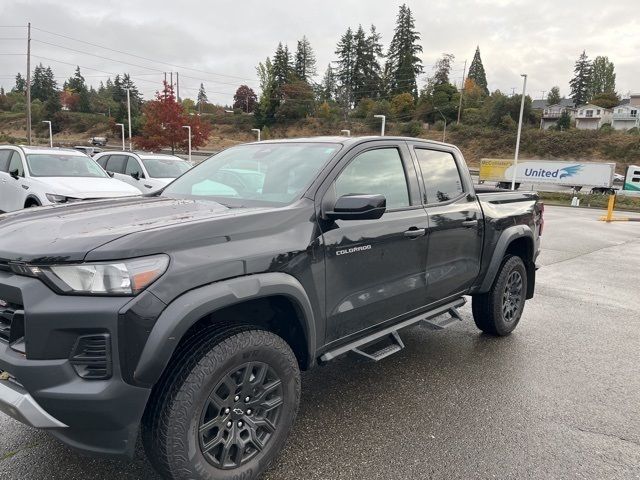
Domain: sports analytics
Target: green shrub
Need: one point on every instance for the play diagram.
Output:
(412, 129)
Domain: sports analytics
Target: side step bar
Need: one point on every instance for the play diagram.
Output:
(393, 342)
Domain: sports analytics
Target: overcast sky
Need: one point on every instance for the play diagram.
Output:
(219, 43)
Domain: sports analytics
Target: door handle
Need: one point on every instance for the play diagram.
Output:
(415, 232)
(470, 223)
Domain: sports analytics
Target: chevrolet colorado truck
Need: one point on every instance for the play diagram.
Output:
(184, 317)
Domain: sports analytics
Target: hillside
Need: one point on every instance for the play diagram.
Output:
(475, 142)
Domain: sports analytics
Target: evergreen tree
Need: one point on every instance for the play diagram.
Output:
(603, 76)
(264, 112)
(403, 63)
(581, 81)
(202, 97)
(21, 84)
(305, 61)
(553, 97)
(367, 74)
(345, 67)
(78, 86)
(477, 73)
(282, 68)
(43, 84)
(328, 86)
(442, 68)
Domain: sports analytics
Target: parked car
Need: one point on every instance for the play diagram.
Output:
(147, 172)
(188, 315)
(91, 151)
(99, 141)
(34, 176)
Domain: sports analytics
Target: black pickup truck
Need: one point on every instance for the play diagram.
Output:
(186, 316)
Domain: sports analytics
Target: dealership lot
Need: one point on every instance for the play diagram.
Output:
(557, 399)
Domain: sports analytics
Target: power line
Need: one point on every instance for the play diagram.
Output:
(140, 56)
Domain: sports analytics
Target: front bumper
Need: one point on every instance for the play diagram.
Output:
(46, 391)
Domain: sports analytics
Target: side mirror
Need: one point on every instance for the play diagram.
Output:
(135, 175)
(358, 207)
(110, 174)
(15, 174)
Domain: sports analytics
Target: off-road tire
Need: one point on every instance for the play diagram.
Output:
(491, 312)
(171, 426)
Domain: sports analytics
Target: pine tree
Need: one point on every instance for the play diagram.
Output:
(442, 69)
(43, 84)
(78, 86)
(360, 69)
(373, 73)
(264, 113)
(328, 87)
(202, 97)
(21, 84)
(603, 77)
(282, 68)
(477, 73)
(305, 61)
(553, 97)
(403, 63)
(345, 67)
(581, 81)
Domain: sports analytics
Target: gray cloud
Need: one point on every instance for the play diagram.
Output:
(541, 38)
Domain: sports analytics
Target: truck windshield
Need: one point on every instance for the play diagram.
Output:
(269, 173)
(165, 167)
(63, 165)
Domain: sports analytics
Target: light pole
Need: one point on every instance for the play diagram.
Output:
(444, 130)
(257, 130)
(384, 120)
(50, 132)
(129, 117)
(346, 132)
(188, 127)
(515, 160)
(121, 125)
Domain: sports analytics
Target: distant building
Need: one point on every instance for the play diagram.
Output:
(551, 113)
(625, 117)
(592, 117)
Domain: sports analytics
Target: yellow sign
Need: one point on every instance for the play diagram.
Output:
(493, 169)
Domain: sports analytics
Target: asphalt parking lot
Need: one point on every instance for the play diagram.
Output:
(560, 398)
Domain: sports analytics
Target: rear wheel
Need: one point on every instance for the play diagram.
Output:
(498, 311)
(227, 413)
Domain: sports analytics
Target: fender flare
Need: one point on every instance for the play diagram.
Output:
(506, 237)
(32, 196)
(183, 312)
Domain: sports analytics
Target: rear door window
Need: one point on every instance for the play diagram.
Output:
(116, 163)
(15, 164)
(5, 156)
(440, 173)
(102, 161)
(132, 166)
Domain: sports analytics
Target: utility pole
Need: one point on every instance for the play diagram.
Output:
(165, 85)
(178, 86)
(543, 92)
(515, 160)
(129, 118)
(29, 84)
(464, 72)
(171, 74)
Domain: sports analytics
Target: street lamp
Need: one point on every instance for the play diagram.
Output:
(50, 132)
(188, 127)
(346, 132)
(129, 117)
(257, 130)
(384, 120)
(121, 125)
(515, 160)
(444, 130)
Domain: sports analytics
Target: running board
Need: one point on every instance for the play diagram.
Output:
(362, 346)
(441, 322)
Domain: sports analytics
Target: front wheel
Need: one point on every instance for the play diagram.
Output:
(227, 413)
(498, 311)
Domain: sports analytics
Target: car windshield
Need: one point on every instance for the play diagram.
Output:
(63, 165)
(165, 167)
(257, 174)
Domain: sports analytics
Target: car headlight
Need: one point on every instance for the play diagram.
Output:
(126, 277)
(56, 198)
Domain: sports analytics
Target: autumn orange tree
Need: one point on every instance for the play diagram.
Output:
(163, 124)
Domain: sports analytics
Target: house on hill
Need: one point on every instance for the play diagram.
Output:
(592, 117)
(627, 115)
(551, 113)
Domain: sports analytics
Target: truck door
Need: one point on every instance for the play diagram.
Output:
(375, 269)
(455, 223)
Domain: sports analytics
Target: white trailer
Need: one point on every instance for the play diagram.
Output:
(572, 174)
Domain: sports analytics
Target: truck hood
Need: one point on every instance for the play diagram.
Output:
(55, 234)
(86, 187)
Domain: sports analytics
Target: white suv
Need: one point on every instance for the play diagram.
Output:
(33, 176)
(147, 172)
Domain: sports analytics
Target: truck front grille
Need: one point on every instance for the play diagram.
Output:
(11, 322)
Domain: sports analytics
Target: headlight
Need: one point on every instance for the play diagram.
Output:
(56, 198)
(128, 277)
